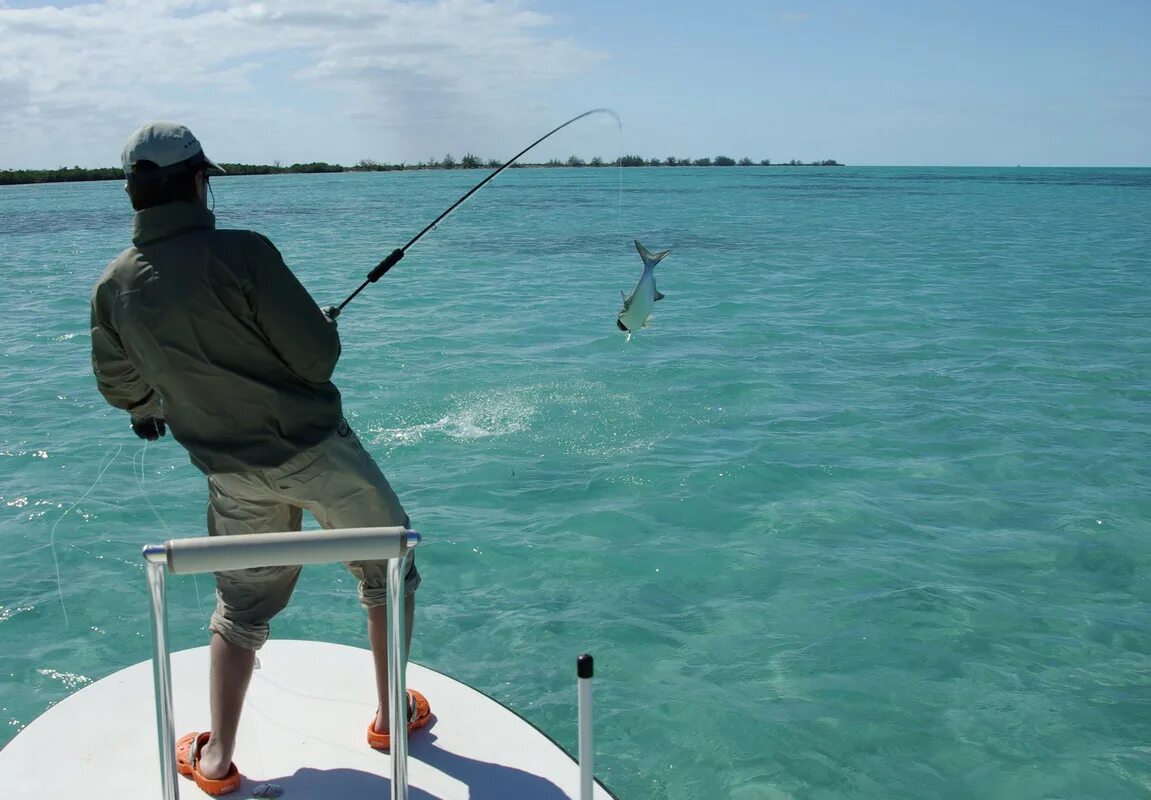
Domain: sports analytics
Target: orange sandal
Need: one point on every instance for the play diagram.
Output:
(188, 753)
(419, 713)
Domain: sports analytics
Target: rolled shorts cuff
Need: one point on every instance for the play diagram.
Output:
(246, 635)
(373, 581)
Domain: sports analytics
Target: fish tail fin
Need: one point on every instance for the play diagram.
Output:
(650, 259)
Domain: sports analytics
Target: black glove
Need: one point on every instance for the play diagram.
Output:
(149, 428)
(330, 313)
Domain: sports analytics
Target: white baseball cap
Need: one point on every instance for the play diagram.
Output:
(165, 144)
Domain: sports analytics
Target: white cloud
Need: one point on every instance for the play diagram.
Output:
(276, 79)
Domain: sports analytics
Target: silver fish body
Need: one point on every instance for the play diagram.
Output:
(637, 307)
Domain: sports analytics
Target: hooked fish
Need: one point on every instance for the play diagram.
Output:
(636, 312)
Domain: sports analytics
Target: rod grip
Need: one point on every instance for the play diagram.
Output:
(385, 265)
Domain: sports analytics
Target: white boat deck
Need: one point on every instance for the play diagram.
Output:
(303, 730)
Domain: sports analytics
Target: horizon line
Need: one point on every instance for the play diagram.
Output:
(416, 165)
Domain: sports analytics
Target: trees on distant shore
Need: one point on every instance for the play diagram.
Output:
(468, 161)
(10, 176)
(68, 174)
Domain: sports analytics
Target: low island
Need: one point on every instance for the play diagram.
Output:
(469, 161)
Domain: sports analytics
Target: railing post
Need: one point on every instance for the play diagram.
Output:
(397, 658)
(156, 560)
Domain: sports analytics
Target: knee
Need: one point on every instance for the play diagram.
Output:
(249, 636)
(247, 600)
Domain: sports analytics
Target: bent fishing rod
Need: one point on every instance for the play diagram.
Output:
(394, 257)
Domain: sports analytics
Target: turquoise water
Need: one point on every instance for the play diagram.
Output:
(864, 514)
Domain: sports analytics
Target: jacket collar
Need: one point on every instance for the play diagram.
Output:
(170, 219)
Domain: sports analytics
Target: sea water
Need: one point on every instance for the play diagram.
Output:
(863, 514)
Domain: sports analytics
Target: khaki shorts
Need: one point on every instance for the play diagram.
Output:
(339, 483)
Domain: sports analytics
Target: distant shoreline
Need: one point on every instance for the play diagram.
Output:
(13, 177)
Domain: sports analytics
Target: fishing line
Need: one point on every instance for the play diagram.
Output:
(52, 534)
(147, 499)
(395, 256)
(619, 210)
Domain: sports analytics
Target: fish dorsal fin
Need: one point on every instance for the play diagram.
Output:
(650, 259)
(659, 295)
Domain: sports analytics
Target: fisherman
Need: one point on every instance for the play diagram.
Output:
(207, 332)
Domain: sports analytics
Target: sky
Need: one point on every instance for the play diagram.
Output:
(866, 82)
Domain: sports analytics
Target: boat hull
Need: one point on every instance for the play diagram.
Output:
(303, 730)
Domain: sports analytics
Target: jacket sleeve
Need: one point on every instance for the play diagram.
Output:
(289, 317)
(116, 376)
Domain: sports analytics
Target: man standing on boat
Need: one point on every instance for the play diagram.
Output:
(207, 332)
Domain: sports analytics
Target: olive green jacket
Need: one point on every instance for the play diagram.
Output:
(209, 330)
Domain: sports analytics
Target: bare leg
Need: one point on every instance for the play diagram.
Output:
(231, 673)
(378, 637)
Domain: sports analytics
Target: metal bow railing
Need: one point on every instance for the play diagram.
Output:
(245, 551)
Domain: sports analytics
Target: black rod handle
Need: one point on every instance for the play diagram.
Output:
(385, 265)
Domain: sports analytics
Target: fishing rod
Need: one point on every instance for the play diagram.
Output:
(394, 257)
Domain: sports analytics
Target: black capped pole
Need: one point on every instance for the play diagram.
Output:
(395, 256)
(584, 670)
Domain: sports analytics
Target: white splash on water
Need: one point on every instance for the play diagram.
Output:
(70, 679)
(477, 416)
(7, 612)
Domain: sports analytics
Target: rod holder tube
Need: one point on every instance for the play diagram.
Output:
(162, 677)
(397, 659)
(585, 668)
